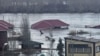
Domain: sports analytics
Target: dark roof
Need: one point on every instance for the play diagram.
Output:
(97, 26)
(46, 24)
(30, 42)
(91, 40)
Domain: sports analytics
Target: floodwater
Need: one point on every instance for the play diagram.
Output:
(77, 22)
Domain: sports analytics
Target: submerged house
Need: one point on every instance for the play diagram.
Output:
(48, 24)
(4, 27)
(79, 46)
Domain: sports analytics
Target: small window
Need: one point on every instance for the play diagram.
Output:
(98, 49)
(79, 48)
(78, 45)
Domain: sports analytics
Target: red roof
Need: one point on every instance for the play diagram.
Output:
(45, 24)
(5, 25)
(3, 28)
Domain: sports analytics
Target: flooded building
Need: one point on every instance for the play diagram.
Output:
(50, 24)
(79, 46)
(4, 28)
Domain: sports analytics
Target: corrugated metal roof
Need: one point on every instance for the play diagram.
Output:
(45, 24)
(6, 23)
(4, 26)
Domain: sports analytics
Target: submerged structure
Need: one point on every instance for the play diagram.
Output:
(4, 28)
(48, 24)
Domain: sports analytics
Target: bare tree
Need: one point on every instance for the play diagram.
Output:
(25, 28)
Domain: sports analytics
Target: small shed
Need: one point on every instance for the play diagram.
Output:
(31, 45)
(47, 24)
